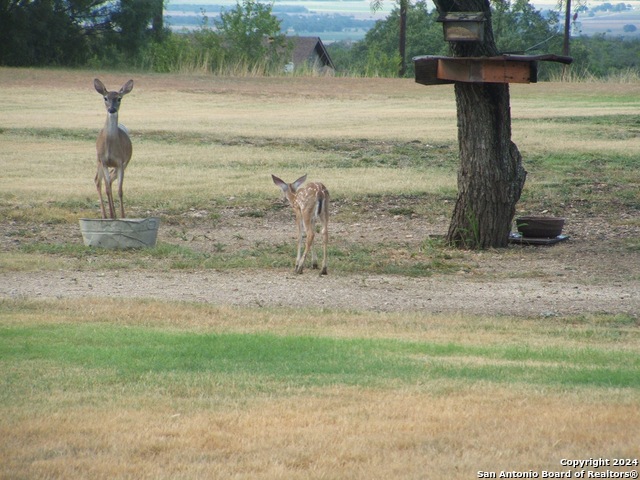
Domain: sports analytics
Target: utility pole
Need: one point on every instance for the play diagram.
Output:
(567, 36)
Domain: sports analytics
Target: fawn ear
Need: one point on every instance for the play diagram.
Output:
(282, 184)
(299, 181)
(99, 86)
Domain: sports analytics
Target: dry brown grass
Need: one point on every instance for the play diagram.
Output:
(294, 109)
(436, 432)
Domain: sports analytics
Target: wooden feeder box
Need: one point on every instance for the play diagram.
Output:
(463, 26)
(433, 70)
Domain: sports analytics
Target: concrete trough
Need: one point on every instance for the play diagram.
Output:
(121, 233)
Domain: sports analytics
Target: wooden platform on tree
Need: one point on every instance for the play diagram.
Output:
(436, 70)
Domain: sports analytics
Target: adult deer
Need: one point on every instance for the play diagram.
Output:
(113, 147)
(309, 203)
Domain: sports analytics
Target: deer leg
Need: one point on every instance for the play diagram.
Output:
(108, 180)
(120, 180)
(98, 181)
(325, 241)
(299, 265)
(112, 178)
(314, 257)
(307, 246)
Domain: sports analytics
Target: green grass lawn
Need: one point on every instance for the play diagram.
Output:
(127, 355)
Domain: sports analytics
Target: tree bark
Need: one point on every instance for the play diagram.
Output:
(491, 175)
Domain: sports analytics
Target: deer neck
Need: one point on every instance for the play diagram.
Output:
(291, 196)
(111, 125)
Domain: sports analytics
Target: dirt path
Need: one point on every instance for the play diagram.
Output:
(594, 272)
(353, 292)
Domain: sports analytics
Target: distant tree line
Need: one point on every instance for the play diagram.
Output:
(130, 34)
(292, 18)
(322, 23)
(608, 7)
(75, 32)
(518, 28)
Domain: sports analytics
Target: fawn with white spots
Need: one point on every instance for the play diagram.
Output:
(309, 203)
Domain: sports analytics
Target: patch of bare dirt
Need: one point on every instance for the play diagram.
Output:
(595, 271)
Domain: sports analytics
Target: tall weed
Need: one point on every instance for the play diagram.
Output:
(628, 75)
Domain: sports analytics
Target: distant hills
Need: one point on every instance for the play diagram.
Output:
(334, 20)
(295, 19)
(330, 20)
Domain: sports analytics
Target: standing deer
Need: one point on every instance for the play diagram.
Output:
(113, 147)
(309, 203)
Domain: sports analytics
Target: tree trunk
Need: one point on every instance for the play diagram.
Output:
(491, 175)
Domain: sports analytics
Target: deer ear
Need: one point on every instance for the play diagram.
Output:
(282, 184)
(299, 181)
(99, 86)
(126, 88)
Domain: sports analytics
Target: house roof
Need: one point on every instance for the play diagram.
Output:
(306, 48)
